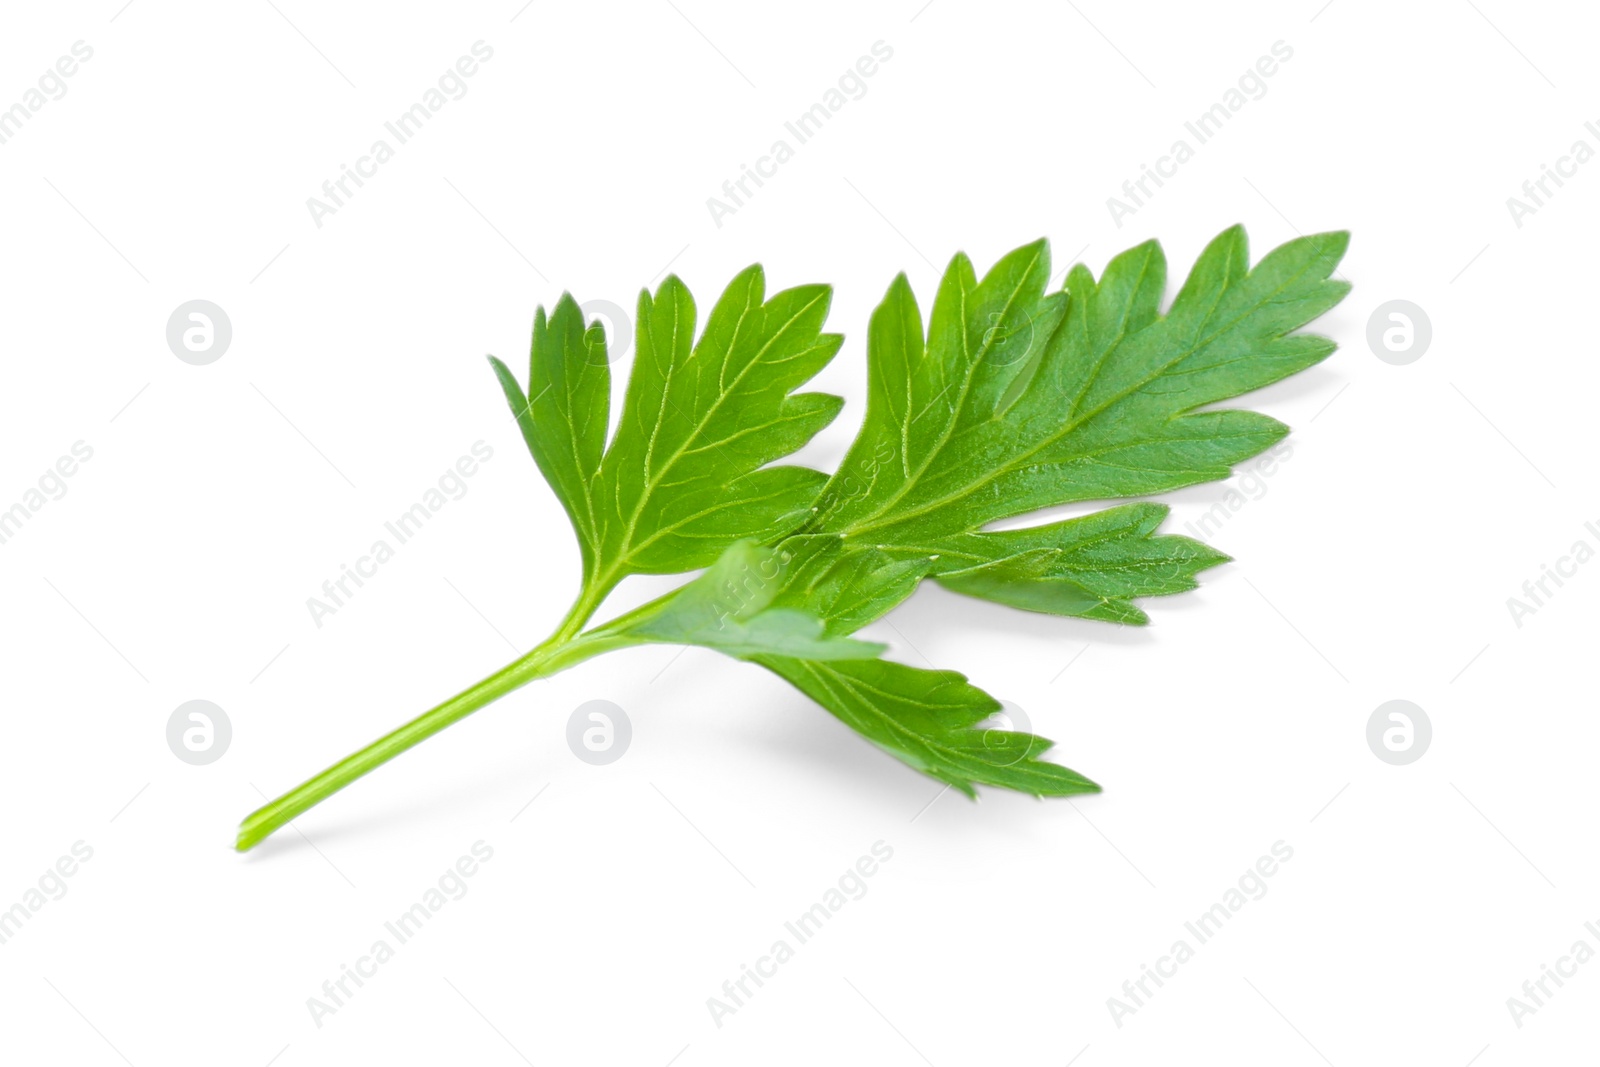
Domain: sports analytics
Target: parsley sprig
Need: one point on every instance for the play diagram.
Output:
(1005, 400)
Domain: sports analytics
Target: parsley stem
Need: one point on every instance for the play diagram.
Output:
(561, 651)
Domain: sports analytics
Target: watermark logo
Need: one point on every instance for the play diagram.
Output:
(1399, 732)
(199, 732)
(1399, 332)
(599, 732)
(1007, 341)
(199, 332)
(1010, 719)
(617, 325)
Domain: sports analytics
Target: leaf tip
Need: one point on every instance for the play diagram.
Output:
(1333, 243)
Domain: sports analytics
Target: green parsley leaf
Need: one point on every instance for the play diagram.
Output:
(686, 474)
(1019, 400)
(931, 720)
(1009, 400)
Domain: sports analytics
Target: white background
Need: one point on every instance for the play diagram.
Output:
(1376, 563)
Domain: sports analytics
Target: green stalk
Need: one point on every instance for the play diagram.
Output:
(564, 649)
